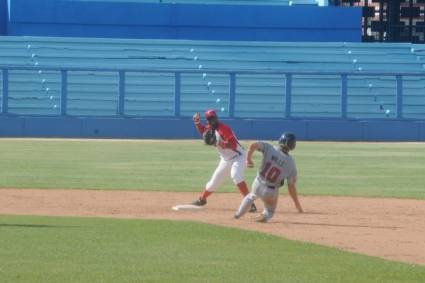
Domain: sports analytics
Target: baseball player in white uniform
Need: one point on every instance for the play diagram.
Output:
(232, 157)
(276, 166)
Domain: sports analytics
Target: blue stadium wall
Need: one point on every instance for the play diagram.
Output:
(3, 17)
(79, 18)
(217, 22)
(325, 130)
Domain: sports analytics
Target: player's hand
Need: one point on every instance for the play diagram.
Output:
(299, 208)
(249, 163)
(196, 118)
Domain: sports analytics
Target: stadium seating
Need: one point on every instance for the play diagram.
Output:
(152, 94)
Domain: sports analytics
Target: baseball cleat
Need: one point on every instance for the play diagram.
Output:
(200, 202)
(236, 216)
(261, 218)
(253, 208)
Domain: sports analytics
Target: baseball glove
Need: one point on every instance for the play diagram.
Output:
(209, 137)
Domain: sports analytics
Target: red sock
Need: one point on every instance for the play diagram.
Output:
(243, 188)
(205, 194)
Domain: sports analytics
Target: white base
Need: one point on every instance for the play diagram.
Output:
(187, 207)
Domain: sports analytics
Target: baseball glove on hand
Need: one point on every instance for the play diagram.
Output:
(209, 137)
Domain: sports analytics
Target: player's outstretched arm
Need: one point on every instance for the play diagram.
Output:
(253, 147)
(292, 189)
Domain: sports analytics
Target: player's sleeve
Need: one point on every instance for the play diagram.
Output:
(292, 178)
(263, 146)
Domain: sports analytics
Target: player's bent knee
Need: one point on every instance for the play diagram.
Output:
(252, 196)
(237, 176)
(237, 179)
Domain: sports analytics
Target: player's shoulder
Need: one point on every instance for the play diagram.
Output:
(222, 125)
(264, 146)
(284, 155)
(224, 129)
(290, 158)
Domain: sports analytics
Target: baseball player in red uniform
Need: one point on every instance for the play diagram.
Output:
(232, 157)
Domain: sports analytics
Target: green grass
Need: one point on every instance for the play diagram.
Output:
(362, 169)
(346, 169)
(59, 249)
(62, 249)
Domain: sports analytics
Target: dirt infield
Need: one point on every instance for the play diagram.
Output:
(388, 228)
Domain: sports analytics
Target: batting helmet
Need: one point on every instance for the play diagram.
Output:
(287, 141)
(210, 113)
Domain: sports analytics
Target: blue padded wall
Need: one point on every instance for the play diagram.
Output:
(184, 21)
(162, 128)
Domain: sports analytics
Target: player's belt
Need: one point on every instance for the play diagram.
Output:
(234, 157)
(270, 187)
(231, 158)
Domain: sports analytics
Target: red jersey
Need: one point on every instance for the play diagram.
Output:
(228, 145)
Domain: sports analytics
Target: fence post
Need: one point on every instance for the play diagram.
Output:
(64, 92)
(288, 95)
(232, 94)
(121, 93)
(177, 93)
(399, 97)
(344, 92)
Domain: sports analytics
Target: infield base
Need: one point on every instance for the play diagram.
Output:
(186, 207)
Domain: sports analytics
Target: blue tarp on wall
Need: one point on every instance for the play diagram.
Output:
(183, 21)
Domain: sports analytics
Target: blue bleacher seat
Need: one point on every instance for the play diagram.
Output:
(152, 94)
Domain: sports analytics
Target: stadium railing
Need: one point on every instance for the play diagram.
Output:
(232, 92)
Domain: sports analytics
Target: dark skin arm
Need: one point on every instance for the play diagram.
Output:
(198, 124)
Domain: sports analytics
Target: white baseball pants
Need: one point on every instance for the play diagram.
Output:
(235, 168)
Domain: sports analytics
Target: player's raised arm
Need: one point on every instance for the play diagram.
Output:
(253, 147)
(292, 189)
(198, 124)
